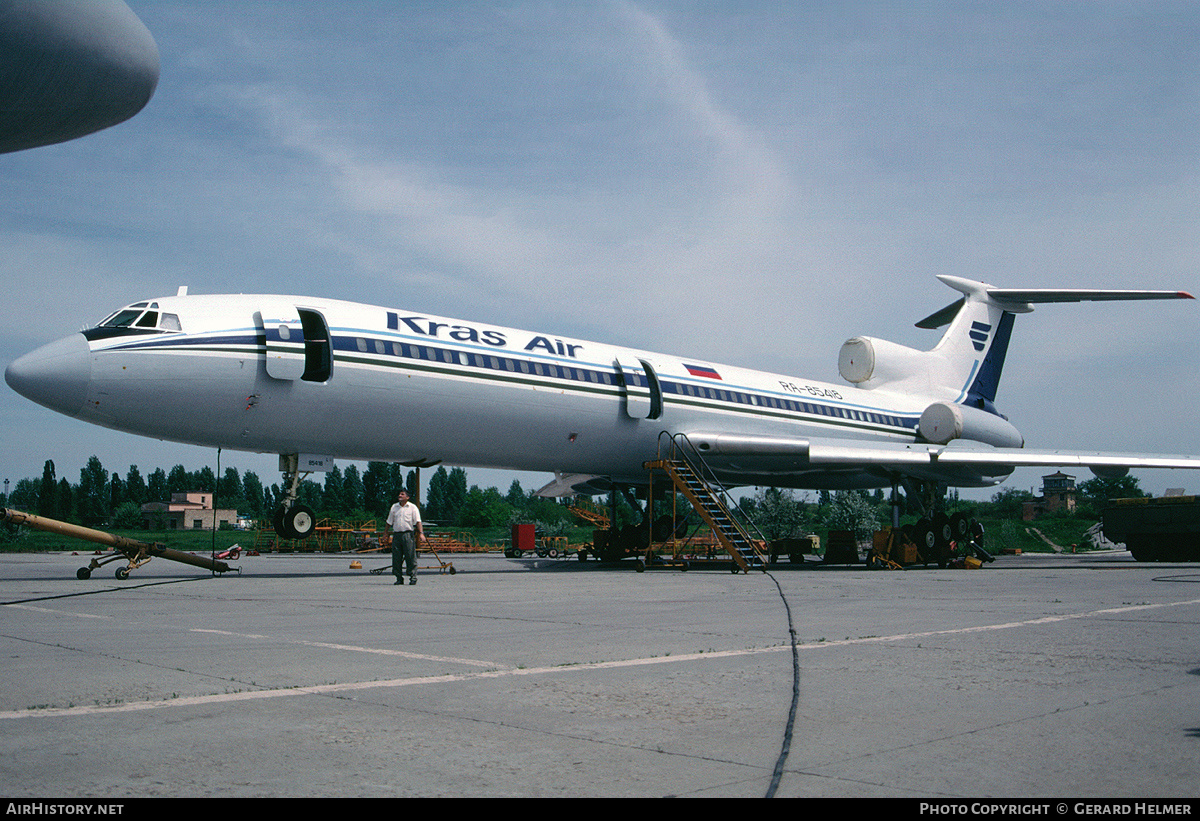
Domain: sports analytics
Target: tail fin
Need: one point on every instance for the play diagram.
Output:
(965, 366)
(973, 348)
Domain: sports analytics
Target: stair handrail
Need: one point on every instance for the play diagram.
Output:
(679, 442)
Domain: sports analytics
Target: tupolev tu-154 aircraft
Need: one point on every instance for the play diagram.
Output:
(312, 379)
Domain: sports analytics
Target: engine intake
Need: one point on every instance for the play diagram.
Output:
(943, 422)
(864, 359)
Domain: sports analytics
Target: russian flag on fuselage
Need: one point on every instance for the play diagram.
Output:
(702, 370)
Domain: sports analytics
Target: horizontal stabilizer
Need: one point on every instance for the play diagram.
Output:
(943, 317)
(1033, 295)
(1022, 300)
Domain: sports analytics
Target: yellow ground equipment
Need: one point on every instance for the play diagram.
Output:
(892, 549)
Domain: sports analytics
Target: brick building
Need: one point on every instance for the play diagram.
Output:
(192, 510)
(1058, 493)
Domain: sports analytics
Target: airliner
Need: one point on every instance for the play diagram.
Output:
(315, 379)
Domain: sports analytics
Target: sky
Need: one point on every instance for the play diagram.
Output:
(743, 183)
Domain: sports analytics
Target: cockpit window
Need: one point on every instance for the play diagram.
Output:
(139, 318)
(121, 319)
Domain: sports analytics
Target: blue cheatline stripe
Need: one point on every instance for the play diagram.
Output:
(364, 348)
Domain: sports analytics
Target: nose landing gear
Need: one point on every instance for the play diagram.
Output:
(293, 520)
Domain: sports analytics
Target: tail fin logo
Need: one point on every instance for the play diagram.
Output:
(980, 331)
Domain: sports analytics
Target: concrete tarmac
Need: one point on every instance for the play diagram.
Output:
(1035, 676)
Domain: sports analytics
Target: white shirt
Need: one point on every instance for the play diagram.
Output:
(404, 517)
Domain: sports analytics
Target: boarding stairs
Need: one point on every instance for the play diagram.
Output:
(691, 477)
(591, 513)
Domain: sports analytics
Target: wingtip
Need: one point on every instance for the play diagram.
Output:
(1185, 295)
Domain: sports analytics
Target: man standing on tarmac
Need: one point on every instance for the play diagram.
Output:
(405, 521)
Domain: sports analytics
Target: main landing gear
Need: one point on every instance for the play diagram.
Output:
(291, 519)
(936, 532)
(934, 535)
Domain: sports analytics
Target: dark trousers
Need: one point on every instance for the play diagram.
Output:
(404, 551)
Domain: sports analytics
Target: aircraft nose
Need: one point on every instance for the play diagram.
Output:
(54, 375)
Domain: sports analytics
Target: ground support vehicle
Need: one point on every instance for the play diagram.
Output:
(1163, 529)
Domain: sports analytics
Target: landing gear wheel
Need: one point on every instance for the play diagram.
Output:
(960, 525)
(926, 540)
(944, 530)
(299, 521)
(83, 574)
(122, 573)
(943, 534)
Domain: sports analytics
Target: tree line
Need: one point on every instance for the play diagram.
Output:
(780, 514)
(104, 498)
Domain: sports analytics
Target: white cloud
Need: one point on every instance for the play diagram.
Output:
(750, 184)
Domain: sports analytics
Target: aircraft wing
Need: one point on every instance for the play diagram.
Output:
(568, 485)
(773, 454)
(933, 455)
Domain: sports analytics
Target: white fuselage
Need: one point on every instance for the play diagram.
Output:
(290, 374)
